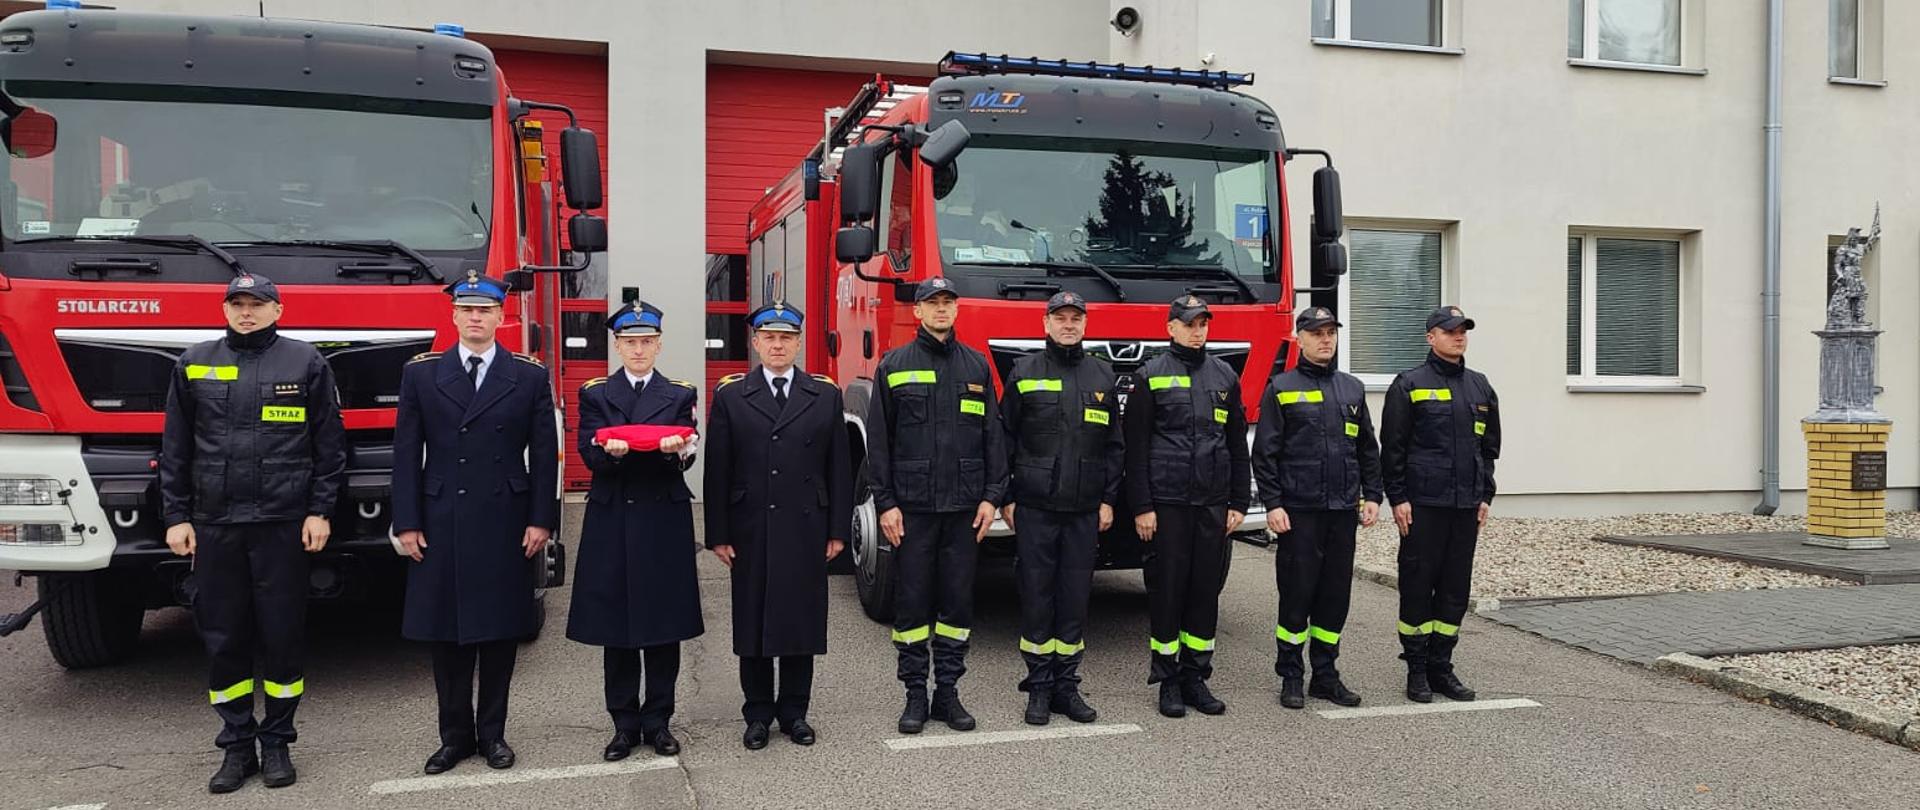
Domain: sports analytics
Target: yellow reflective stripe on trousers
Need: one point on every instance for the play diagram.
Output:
(284, 691)
(1445, 629)
(911, 636)
(1295, 397)
(1096, 416)
(1196, 643)
(1159, 383)
(234, 692)
(1289, 637)
(1065, 648)
(1030, 386)
(900, 378)
(973, 406)
(221, 373)
(1036, 647)
(1416, 629)
(1323, 635)
(1437, 394)
(1164, 647)
(948, 630)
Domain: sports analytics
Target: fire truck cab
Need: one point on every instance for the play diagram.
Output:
(1020, 178)
(153, 157)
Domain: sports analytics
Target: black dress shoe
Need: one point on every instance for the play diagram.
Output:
(499, 755)
(448, 756)
(798, 731)
(618, 748)
(663, 742)
(240, 762)
(756, 736)
(276, 766)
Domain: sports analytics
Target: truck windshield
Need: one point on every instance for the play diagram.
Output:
(247, 166)
(1158, 208)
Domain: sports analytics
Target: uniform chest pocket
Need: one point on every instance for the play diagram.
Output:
(1215, 419)
(913, 403)
(1482, 414)
(1096, 410)
(1172, 408)
(1432, 409)
(283, 405)
(1040, 400)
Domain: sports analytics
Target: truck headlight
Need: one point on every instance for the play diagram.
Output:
(33, 533)
(30, 491)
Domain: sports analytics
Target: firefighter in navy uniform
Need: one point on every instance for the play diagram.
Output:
(475, 497)
(779, 484)
(936, 464)
(251, 462)
(635, 590)
(1439, 438)
(1318, 468)
(1188, 481)
(1067, 460)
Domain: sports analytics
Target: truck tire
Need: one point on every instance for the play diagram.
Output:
(89, 620)
(872, 559)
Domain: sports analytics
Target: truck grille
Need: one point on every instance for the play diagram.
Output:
(1126, 356)
(127, 370)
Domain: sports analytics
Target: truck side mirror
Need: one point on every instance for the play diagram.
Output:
(945, 144)
(29, 133)
(1328, 223)
(810, 178)
(854, 244)
(860, 183)
(1327, 265)
(586, 233)
(580, 170)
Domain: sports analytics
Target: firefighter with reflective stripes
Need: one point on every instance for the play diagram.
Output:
(251, 460)
(937, 467)
(1187, 479)
(1439, 438)
(1067, 458)
(1318, 468)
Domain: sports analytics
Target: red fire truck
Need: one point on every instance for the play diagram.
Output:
(150, 158)
(1019, 178)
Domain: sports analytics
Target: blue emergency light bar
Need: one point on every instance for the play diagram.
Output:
(974, 64)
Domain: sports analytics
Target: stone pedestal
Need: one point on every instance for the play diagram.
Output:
(1847, 482)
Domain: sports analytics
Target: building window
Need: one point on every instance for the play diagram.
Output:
(1624, 308)
(1659, 33)
(1418, 23)
(1393, 283)
(1853, 41)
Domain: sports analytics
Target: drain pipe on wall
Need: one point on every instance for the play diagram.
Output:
(1770, 290)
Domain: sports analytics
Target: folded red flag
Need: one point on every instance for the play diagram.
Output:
(641, 437)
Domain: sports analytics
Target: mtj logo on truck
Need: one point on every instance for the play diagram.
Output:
(998, 102)
(108, 306)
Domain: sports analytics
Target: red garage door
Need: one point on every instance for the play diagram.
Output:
(580, 82)
(760, 123)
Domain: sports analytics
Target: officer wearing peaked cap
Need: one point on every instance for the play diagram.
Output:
(635, 591)
(251, 461)
(475, 496)
(779, 485)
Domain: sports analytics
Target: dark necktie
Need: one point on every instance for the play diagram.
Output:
(639, 387)
(780, 392)
(473, 369)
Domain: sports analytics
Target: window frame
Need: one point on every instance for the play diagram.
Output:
(1448, 233)
(1869, 45)
(1685, 277)
(1692, 42)
(1343, 31)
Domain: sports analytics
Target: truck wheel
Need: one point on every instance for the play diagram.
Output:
(872, 560)
(89, 621)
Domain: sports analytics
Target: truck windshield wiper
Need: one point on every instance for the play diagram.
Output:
(1218, 270)
(383, 247)
(179, 241)
(1056, 265)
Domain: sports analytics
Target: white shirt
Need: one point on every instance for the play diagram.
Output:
(772, 376)
(486, 362)
(632, 380)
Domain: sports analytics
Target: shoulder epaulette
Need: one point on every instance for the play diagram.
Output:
(423, 357)
(684, 384)
(593, 382)
(530, 358)
(824, 378)
(728, 380)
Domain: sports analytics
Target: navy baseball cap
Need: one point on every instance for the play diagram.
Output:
(776, 317)
(257, 286)
(938, 285)
(635, 319)
(1064, 299)
(1313, 318)
(1448, 318)
(478, 291)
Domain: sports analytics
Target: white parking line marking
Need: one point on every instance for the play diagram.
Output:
(992, 737)
(1429, 708)
(101, 806)
(422, 783)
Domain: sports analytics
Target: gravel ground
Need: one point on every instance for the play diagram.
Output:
(1889, 676)
(1558, 557)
